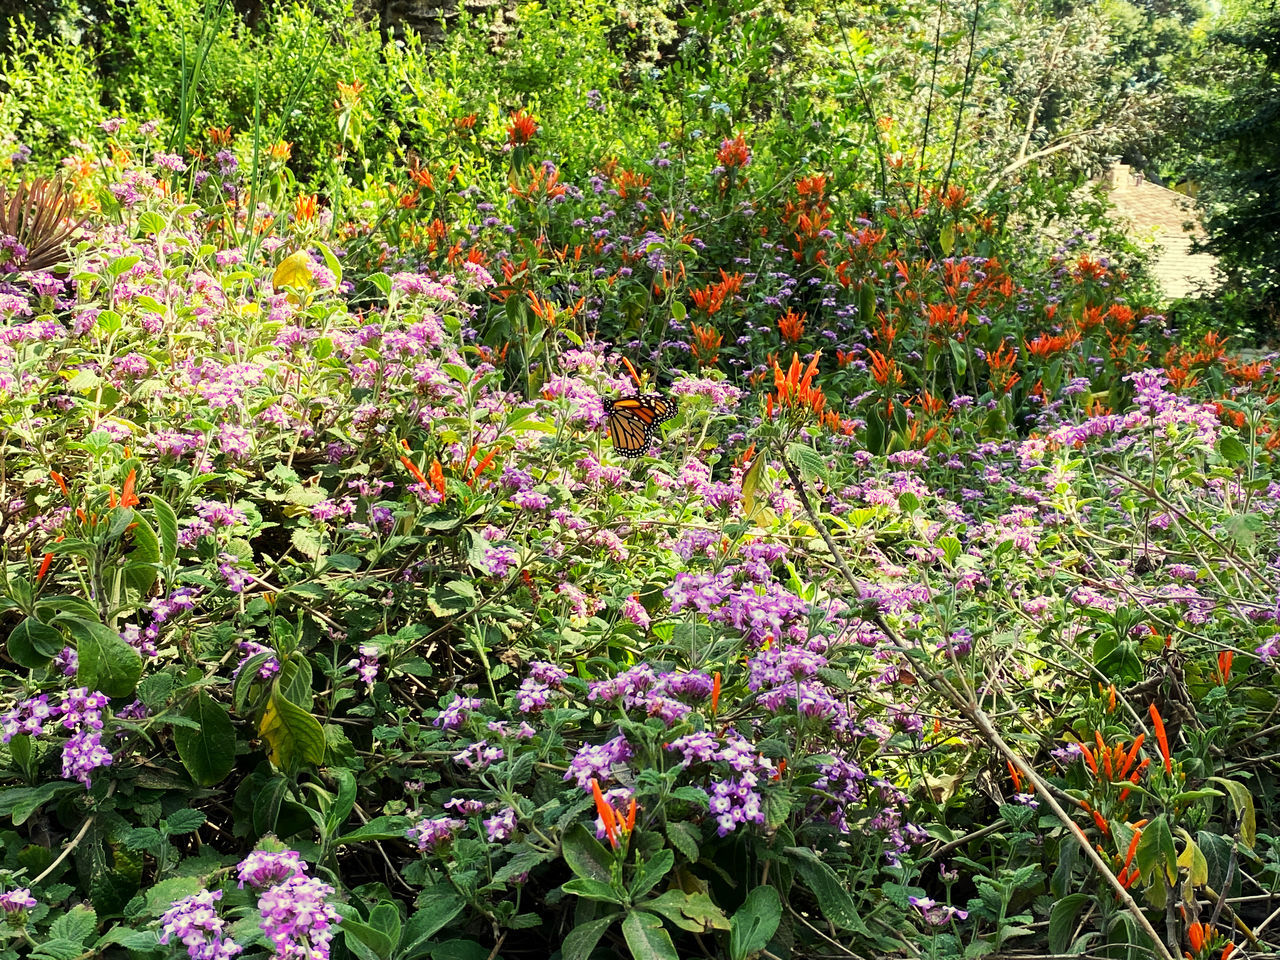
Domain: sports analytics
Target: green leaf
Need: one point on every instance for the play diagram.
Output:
(386, 918)
(1156, 850)
(582, 939)
(649, 873)
(1242, 801)
(293, 734)
(1233, 450)
(32, 643)
(685, 837)
(57, 949)
(140, 567)
(754, 923)
(379, 828)
(833, 899)
(442, 905)
(1062, 921)
(592, 890)
(76, 925)
(751, 483)
(21, 802)
(646, 937)
(378, 942)
(208, 751)
(184, 821)
(106, 662)
(950, 548)
(689, 911)
(585, 855)
(343, 802)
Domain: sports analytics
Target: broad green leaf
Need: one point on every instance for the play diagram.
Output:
(647, 938)
(592, 890)
(209, 750)
(33, 644)
(649, 873)
(376, 943)
(442, 904)
(293, 734)
(585, 855)
(140, 567)
(1156, 850)
(1242, 801)
(833, 899)
(379, 828)
(583, 938)
(1062, 921)
(1233, 450)
(76, 925)
(754, 923)
(21, 802)
(106, 661)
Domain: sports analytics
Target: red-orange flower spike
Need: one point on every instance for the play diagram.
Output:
(1133, 752)
(715, 692)
(631, 815)
(1088, 756)
(61, 482)
(128, 498)
(1195, 933)
(1161, 738)
(1224, 664)
(1101, 821)
(436, 475)
(44, 566)
(607, 816)
(1133, 848)
(1111, 700)
(413, 469)
(480, 468)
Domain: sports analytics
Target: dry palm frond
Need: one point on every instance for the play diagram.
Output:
(40, 216)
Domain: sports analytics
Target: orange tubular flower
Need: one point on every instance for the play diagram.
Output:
(1088, 756)
(631, 816)
(522, 128)
(606, 813)
(413, 469)
(706, 344)
(1161, 738)
(437, 478)
(791, 325)
(1224, 664)
(127, 496)
(305, 207)
(44, 566)
(480, 468)
(61, 482)
(1195, 933)
(715, 692)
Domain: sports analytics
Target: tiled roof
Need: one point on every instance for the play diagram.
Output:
(1163, 217)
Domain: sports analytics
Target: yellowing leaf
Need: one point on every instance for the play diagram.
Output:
(292, 733)
(293, 271)
(750, 481)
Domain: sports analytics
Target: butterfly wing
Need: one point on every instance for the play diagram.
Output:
(634, 420)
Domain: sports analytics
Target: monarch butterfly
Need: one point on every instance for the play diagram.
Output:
(634, 420)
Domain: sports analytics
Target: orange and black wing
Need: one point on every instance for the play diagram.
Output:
(634, 420)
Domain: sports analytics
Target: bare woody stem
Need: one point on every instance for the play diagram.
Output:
(976, 716)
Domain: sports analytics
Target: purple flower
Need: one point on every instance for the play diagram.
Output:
(596, 761)
(263, 868)
(20, 898)
(194, 920)
(634, 611)
(83, 754)
(366, 665)
(429, 834)
(936, 913)
(501, 825)
(297, 918)
(452, 716)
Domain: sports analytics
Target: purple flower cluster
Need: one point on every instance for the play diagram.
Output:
(263, 868)
(298, 919)
(81, 713)
(15, 900)
(195, 922)
(429, 833)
